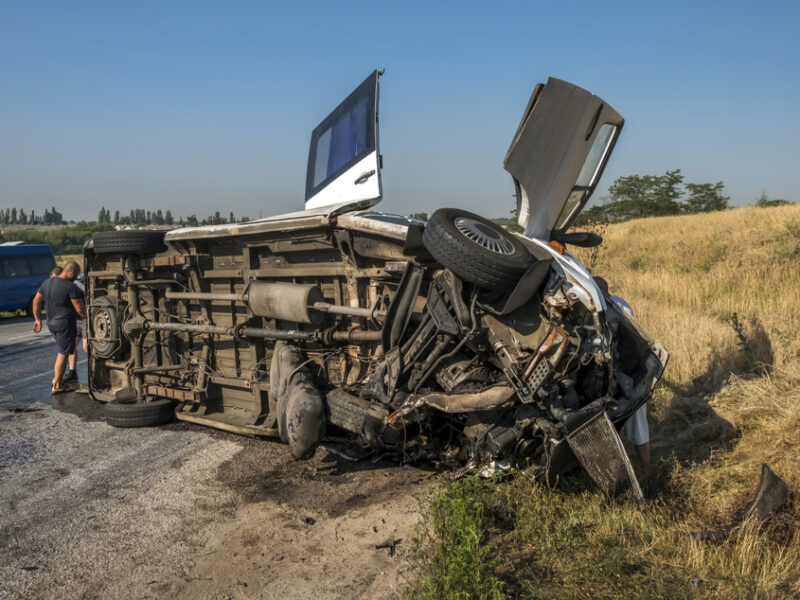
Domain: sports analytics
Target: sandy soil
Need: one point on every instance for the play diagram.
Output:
(89, 511)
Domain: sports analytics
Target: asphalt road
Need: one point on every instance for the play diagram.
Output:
(90, 511)
(26, 365)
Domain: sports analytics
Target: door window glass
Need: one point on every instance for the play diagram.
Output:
(41, 264)
(588, 176)
(573, 202)
(17, 266)
(597, 154)
(341, 143)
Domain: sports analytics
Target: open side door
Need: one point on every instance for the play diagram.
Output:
(344, 161)
(558, 154)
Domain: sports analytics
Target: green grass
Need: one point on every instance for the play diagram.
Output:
(454, 545)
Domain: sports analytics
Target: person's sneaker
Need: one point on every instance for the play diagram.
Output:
(70, 376)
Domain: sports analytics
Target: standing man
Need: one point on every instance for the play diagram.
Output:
(64, 304)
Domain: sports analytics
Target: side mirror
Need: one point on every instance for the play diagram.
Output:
(582, 239)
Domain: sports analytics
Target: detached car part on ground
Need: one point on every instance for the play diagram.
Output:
(449, 340)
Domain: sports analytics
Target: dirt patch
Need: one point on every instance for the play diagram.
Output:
(182, 510)
(309, 529)
(315, 539)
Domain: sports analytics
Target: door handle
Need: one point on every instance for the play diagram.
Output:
(364, 176)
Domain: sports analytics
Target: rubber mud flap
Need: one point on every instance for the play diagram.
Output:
(304, 420)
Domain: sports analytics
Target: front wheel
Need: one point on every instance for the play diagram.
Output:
(475, 249)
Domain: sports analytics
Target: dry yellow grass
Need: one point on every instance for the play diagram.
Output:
(721, 291)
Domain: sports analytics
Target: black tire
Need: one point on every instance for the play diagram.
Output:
(128, 242)
(103, 327)
(140, 414)
(29, 307)
(491, 258)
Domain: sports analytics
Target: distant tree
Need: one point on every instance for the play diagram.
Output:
(168, 218)
(191, 221)
(244, 219)
(637, 196)
(765, 202)
(158, 218)
(13, 219)
(23, 218)
(422, 216)
(116, 217)
(32, 220)
(705, 197)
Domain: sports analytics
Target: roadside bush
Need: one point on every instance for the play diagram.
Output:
(63, 240)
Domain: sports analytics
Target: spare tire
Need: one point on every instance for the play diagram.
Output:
(140, 414)
(105, 336)
(128, 242)
(475, 249)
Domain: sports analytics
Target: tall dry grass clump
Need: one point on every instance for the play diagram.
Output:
(721, 291)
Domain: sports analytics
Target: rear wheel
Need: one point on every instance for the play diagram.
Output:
(29, 307)
(128, 242)
(140, 414)
(475, 249)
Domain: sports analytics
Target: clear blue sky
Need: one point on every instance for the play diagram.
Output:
(200, 106)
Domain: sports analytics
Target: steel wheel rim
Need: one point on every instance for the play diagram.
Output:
(484, 236)
(102, 325)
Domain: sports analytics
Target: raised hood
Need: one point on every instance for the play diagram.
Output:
(559, 152)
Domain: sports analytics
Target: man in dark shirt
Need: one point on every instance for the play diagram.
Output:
(64, 303)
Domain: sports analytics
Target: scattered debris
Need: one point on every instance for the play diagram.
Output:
(771, 495)
(390, 543)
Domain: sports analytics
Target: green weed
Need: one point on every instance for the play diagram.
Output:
(460, 562)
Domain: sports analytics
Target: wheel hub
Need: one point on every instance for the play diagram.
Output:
(483, 235)
(102, 325)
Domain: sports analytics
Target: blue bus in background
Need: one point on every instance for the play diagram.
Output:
(23, 268)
